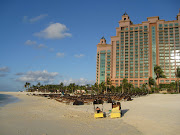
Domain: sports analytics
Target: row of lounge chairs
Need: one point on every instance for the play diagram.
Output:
(89, 99)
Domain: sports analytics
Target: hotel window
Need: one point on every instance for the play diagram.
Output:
(160, 25)
(136, 28)
(176, 24)
(145, 27)
(108, 59)
(103, 51)
(171, 24)
(161, 81)
(160, 35)
(140, 34)
(145, 30)
(176, 28)
(165, 25)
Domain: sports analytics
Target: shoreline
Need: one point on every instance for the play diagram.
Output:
(8, 99)
(154, 114)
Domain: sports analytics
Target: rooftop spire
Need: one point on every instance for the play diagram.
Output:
(125, 13)
(103, 37)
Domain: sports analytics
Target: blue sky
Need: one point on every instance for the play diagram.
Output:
(52, 41)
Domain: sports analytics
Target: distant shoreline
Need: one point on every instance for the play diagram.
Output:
(7, 99)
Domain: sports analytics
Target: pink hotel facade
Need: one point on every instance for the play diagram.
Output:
(137, 48)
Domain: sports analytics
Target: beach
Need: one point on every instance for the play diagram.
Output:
(153, 114)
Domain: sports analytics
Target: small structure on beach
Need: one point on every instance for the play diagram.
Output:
(116, 110)
(98, 111)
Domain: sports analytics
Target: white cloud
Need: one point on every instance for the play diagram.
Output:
(37, 76)
(35, 19)
(54, 31)
(81, 81)
(4, 69)
(30, 42)
(35, 45)
(79, 56)
(51, 49)
(60, 54)
(41, 46)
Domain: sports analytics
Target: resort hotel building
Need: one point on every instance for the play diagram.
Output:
(137, 48)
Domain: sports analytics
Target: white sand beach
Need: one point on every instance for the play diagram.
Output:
(155, 114)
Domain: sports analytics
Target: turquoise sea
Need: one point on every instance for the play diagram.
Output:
(7, 99)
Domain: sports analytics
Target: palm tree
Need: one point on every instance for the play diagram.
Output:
(68, 88)
(96, 87)
(72, 87)
(27, 85)
(92, 88)
(124, 84)
(112, 89)
(65, 88)
(61, 85)
(99, 88)
(177, 76)
(103, 86)
(151, 82)
(38, 85)
(108, 83)
(159, 73)
(118, 89)
(129, 86)
(143, 87)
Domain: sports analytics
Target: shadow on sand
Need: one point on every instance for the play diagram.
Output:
(123, 112)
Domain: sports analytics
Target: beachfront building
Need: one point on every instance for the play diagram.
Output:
(137, 48)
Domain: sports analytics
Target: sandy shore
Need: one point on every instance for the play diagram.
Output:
(150, 115)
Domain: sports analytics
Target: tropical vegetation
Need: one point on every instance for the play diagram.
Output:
(159, 73)
(107, 87)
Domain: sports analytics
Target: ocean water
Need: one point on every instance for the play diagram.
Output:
(7, 99)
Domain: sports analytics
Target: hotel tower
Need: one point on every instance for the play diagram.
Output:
(137, 48)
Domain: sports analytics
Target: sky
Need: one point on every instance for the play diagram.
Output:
(53, 41)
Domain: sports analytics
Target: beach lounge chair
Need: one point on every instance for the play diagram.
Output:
(98, 113)
(116, 110)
